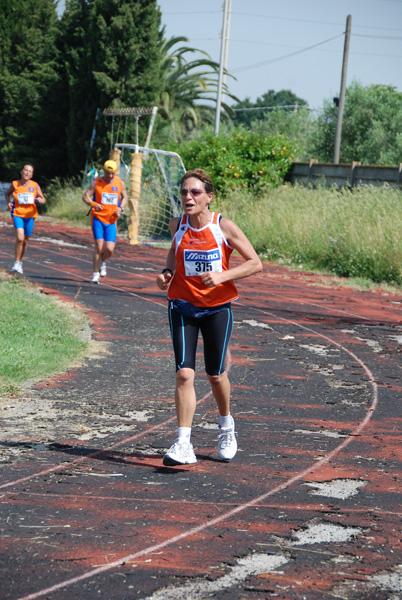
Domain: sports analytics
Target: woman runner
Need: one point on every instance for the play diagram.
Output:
(21, 198)
(200, 290)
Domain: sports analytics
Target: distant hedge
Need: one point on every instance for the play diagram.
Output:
(240, 159)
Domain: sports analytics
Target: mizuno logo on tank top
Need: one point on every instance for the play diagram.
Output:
(211, 255)
(202, 262)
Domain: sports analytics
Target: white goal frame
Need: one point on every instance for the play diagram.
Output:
(170, 196)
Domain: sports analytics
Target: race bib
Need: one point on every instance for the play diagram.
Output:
(108, 198)
(26, 198)
(196, 262)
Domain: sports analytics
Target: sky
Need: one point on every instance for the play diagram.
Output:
(294, 45)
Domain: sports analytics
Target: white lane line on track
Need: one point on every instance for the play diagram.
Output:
(240, 508)
(230, 513)
(140, 434)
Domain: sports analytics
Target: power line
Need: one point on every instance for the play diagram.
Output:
(273, 60)
(269, 44)
(314, 22)
(295, 106)
(377, 37)
(373, 54)
(212, 12)
(332, 50)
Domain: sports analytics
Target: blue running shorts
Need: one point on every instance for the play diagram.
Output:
(26, 224)
(103, 231)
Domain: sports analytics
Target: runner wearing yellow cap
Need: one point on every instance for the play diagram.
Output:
(107, 196)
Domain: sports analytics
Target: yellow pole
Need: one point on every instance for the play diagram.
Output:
(116, 155)
(135, 189)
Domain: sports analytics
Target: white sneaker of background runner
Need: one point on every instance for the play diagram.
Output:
(102, 269)
(95, 278)
(17, 267)
(227, 445)
(180, 453)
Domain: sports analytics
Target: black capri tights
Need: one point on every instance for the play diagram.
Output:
(216, 331)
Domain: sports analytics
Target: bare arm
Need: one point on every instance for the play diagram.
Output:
(88, 197)
(40, 197)
(239, 242)
(123, 201)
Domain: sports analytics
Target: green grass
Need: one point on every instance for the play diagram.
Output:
(39, 336)
(348, 232)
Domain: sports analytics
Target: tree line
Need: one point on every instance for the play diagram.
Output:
(371, 132)
(58, 74)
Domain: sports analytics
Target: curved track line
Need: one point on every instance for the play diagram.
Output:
(171, 419)
(123, 442)
(289, 284)
(266, 278)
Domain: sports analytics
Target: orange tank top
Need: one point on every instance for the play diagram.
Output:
(198, 251)
(108, 195)
(24, 199)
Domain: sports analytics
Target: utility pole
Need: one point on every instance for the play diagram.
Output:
(227, 7)
(342, 92)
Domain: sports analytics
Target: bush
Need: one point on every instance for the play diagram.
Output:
(240, 159)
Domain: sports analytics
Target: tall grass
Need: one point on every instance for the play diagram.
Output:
(64, 201)
(349, 232)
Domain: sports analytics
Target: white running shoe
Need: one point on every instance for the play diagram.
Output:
(95, 278)
(181, 453)
(17, 268)
(227, 445)
(102, 269)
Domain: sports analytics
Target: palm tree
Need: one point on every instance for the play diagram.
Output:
(190, 87)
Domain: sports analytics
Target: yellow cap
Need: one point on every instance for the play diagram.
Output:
(111, 166)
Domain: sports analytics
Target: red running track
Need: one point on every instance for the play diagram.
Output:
(308, 508)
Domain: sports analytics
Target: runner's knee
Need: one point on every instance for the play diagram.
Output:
(217, 379)
(184, 376)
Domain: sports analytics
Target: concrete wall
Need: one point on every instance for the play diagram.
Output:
(3, 188)
(344, 174)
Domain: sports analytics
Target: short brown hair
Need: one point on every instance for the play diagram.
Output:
(202, 176)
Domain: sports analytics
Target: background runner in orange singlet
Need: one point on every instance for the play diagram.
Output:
(21, 198)
(107, 196)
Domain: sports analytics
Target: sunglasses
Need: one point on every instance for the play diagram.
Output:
(194, 193)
